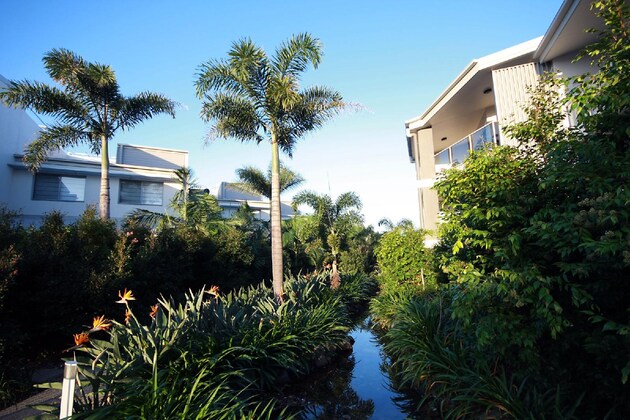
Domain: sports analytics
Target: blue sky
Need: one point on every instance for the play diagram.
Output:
(392, 57)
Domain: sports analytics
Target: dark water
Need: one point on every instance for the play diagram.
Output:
(354, 386)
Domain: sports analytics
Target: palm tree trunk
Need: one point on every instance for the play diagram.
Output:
(276, 217)
(104, 194)
(335, 277)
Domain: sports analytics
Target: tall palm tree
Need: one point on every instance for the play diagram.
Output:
(255, 181)
(88, 107)
(252, 97)
(335, 220)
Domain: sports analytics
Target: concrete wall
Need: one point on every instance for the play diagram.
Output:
(565, 65)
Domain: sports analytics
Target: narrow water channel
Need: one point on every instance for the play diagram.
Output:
(368, 379)
(353, 387)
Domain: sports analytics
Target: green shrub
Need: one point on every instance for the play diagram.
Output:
(403, 259)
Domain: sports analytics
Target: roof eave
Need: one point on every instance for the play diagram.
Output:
(558, 24)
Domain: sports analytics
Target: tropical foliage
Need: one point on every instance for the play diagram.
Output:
(192, 207)
(213, 355)
(253, 97)
(334, 220)
(88, 107)
(532, 319)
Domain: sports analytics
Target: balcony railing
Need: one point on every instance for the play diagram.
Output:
(458, 152)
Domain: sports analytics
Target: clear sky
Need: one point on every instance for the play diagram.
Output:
(392, 57)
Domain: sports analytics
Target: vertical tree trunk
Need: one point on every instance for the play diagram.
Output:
(276, 226)
(104, 193)
(335, 277)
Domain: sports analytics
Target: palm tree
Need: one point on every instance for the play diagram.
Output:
(88, 107)
(389, 225)
(252, 97)
(193, 208)
(255, 181)
(335, 220)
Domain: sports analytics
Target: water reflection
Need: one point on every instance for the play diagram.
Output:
(354, 387)
(328, 394)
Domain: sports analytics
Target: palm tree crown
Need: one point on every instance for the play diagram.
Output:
(88, 108)
(335, 220)
(252, 97)
(255, 181)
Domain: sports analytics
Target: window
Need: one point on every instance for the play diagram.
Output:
(59, 188)
(141, 192)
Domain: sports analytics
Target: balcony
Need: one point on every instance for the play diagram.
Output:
(459, 151)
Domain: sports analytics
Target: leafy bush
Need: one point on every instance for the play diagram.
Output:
(403, 259)
(534, 248)
(210, 355)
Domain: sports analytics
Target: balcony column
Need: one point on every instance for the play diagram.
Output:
(425, 169)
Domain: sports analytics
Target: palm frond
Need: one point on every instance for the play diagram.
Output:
(316, 105)
(294, 55)
(216, 76)
(45, 99)
(144, 106)
(253, 180)
(233, 116)
(53, 138)
(243, 57)
(347, 201)
(150, 219)
(288, 178)
(64, 66)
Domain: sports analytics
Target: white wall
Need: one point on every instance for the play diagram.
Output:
(17, 129)
(20, 191)
(565, 65)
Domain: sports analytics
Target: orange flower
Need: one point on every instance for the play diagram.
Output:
(214, 291)
(127, 316)
(125, 297)
(154, 311)
(81, 339)
(100, 323)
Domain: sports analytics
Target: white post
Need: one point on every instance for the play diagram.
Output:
(67, 391)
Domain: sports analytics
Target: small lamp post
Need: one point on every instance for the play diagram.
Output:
(67, 391)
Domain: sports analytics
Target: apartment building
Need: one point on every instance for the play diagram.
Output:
(488, 95)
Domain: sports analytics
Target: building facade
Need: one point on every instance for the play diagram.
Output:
(490, 94)
(140, 176)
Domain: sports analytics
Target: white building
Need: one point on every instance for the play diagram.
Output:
(140, 176)
(489, 94)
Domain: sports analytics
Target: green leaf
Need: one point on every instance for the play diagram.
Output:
(49, 385)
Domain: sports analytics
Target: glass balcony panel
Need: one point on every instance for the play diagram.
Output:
(460, 151)
(482, 136)
(442, 158)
